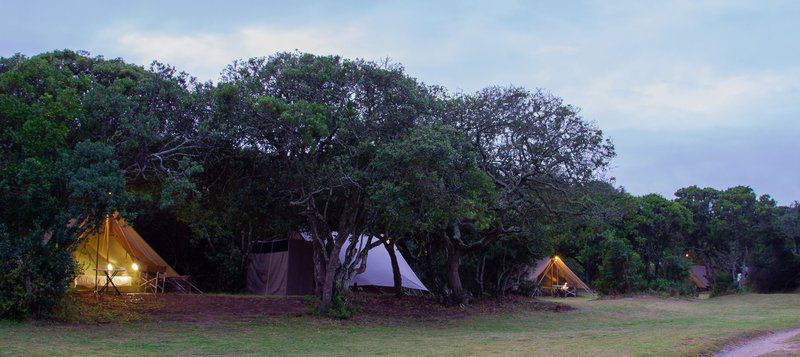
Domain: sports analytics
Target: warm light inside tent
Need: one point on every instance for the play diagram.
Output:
(135, 267)
(555, 258)
(110, 267)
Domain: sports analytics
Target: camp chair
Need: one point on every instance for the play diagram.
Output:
(154, 279)
(570, 291)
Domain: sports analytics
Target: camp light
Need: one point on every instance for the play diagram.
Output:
(135, 266)
(110, 267)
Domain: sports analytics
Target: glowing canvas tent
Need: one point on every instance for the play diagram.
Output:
(116, 244)
(285, 267)
(699, 276)
(553, 271)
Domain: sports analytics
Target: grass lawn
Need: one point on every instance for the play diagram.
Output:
(629, 326)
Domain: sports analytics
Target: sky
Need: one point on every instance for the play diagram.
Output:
(700, 93)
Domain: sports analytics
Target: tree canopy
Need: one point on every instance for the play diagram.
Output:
(473, 188)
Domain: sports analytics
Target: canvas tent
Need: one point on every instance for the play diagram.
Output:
(699, 276)
(282, 267)
(379, 269)
(553, 271)
(116, 243)
(286, 267)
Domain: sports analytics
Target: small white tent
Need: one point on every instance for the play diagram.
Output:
(379, 268)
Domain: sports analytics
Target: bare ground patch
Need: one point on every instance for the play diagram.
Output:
(211, 308)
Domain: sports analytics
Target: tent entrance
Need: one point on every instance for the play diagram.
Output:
(116, 245)
(553, 272)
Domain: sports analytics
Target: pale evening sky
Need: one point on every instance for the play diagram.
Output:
(690, 92)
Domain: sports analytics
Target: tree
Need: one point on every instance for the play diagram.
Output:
(428, 183)
(658, 231)
(320, 121)
(533, 147)
(79, 134)
(775, 263)
(621, 266)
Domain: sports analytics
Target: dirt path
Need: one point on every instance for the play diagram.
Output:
(785, 343)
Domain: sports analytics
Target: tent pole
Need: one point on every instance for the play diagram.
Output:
(544, 273)
(96, 262)
(107, 243)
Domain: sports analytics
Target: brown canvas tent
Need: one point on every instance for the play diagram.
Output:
(700, 277)
(116, 244)
(282, 267)
(553, 271)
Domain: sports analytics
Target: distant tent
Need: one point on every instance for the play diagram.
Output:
(699, 276)
(119, 245)
(286, 267)
(553, 271)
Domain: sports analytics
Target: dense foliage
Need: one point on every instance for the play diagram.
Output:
(472, 188)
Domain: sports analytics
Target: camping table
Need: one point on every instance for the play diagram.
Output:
(110, 274)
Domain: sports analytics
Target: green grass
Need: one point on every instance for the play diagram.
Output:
(630, 326)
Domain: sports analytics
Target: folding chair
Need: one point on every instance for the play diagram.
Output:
(537, 290)
(154, 279)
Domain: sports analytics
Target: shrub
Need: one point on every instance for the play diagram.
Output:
(33, 276)
(526, 288)
(339, 309)
(620, 267)
(673, 277)
(723, 284)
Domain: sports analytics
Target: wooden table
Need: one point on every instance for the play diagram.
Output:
(110, 274)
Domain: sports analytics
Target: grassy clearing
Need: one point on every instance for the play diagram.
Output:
(630, 326)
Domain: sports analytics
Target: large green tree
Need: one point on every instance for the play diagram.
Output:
(427, 184)
(534, 147)
(79, 135)
(320, 120)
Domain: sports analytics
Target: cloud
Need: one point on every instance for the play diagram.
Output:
(205, 54)
(684, 97)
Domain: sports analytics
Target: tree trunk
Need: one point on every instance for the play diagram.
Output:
(481, 271)
(453, 275)
(398, 279)
(329, 285)
(319, 269)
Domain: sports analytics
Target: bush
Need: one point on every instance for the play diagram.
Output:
(673, 277)
(620, 267)
(339, 309)
(527, 287)
(673, 287)
(33, 276)
(723, 284)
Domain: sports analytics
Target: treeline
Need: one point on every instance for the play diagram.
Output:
(627, 244)
(473, 188)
